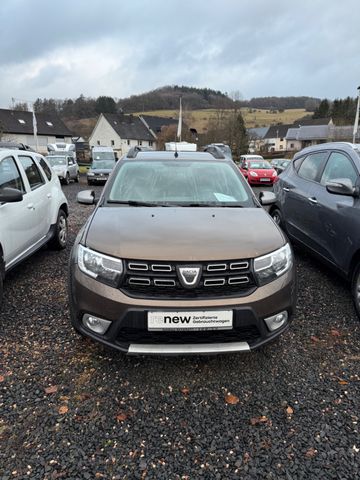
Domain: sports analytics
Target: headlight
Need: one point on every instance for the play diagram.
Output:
(269, 267)
(105, 269)
(253, 174)
(90, 174)
(274, 173)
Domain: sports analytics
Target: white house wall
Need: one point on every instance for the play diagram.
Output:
(103, 134)
(43, 140)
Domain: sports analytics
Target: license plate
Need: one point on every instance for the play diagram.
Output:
(264, 179)
(203, 320)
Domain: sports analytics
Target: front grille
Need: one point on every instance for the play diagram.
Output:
(146, 279)
(246, 333)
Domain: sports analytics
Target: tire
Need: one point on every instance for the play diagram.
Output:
(77, 178)
(277, 217)
(59, 240)
(355, 289)
(67, 179)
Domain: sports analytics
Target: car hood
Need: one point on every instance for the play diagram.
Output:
(262, 171)
(183, 233)
(59, 167)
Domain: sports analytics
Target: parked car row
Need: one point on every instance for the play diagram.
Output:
(166, 265)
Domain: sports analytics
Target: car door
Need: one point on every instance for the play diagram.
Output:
(71, 167)
(337, 222)
(16, 219)
(37, 196)
(298, 186)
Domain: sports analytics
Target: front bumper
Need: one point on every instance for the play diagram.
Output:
(98, 179)
(128, 330)
(261, 181)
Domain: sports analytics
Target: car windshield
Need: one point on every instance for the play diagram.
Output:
(103, 164)
(255, 164)
(180, 183)
(53, 160)
(109, 156)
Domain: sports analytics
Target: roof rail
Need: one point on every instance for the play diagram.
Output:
(215, 152)
(135, 150)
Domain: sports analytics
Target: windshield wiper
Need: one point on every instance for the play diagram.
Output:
(210, 204)
(136, 203)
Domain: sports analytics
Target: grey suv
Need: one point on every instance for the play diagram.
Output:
(318, 205)
(179, 257)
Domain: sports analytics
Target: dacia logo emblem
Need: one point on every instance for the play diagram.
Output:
(189, 276)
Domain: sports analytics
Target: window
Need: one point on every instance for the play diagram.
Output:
(281, 139)
(32, 172)
(312, 165)
(10, 176)
(150, 143)
(45, 167)
(128, 142)
(281, 147)
(140, 142)
(49, 124)
(98, 142)
(20, 120)
(339, 166)
(112, 142)
(291, 145)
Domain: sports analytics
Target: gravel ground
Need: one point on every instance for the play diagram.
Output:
(71, 409)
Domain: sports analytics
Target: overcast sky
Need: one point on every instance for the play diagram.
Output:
(62, 48)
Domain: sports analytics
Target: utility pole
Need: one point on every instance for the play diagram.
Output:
(356, 123)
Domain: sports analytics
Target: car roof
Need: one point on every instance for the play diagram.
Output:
(170, 155)
(346, 146)
(11, 151)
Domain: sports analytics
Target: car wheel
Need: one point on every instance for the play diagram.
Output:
(77, 178)
(355, 289)
(67, 179)
(59, 240)
(277, 217)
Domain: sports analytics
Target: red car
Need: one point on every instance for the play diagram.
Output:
(258, 172)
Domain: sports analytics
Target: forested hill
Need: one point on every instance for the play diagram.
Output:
(167, 98)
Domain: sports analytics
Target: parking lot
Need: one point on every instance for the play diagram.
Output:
(71, 409)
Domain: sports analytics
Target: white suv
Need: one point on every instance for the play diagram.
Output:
(33, 208)
(65, 166)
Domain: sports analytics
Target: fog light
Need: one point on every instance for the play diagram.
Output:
(95, 324)
(276, 321)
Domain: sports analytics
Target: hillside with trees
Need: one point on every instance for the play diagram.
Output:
(342, 111)
(165, 98)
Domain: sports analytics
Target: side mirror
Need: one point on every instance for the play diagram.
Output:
(267, 198)
(342, 186)
(10, 195)
(86, 197)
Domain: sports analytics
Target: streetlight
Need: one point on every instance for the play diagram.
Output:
(356, 123)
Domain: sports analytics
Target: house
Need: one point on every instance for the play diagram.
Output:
(156, 124)
(121, 132)
(17, 126)
(305, 136)
(256, 138)
(275, 138)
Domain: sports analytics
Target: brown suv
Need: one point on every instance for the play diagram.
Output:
(179, 257)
